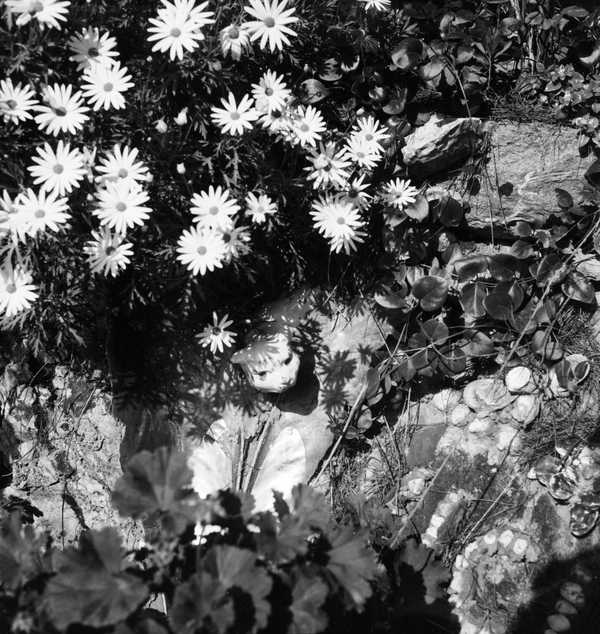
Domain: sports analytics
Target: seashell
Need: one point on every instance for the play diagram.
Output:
(519, 380)
(559, 622)
(564, 607)
(525, 409)
(580, 365)
(583, 520)
(460, 415)
(561, 488)
(554, 385)
(547, 467)
(573, 593)
(487, 395)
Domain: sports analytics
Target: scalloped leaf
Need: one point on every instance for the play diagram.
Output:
(308, 596)
(91, 587)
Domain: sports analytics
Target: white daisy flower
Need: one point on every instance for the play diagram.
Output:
(104, 86)
(378, 5)
(107, 253)
(216, 335)
(16, 101)
(214, 209)
(17, 292)
(64, 112)
(235, 39)
(277, 122)
(328, 167)
(371, 131)
(181, 118)
(259, 207)
(307, 126)
(120, 205)
(270, 23)
(58, 170)
(200, 250)
(92, 49)
(178, 27)
(271, 92)
(48, 13)
(14, 220)
(234, 118)
(122, 163)
(363, 153)
(236, 240)
(399, 193)
(356, 193)
(339, 222)
(44, 211)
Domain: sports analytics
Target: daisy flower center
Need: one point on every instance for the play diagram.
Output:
(40, 213)
(108, 87)
(93, 52)
(369, 137)
(122, 173)
(60, 111)
(36, 7)
(304, 127)
(226, 238)
(202, 250)
(175, 32)
(58, 169)
(269, 22)
(353, 193)
(341, 220)
(109, 250)
(213, 211)
(234, 33)
(216, 331)
(120, 206)
(269, 91)
(12, 104)
(235, 116)
(11, 288)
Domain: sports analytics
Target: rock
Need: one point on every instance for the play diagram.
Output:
(535, 158)
(484, 396)
(559, 622)
(440, 144)
(519, 380)
(461, 415)
(525, 408)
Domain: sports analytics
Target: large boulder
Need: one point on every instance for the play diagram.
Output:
(525, 165)
(440, 144)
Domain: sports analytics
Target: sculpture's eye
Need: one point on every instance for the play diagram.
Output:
(262, 374)
(289, 359)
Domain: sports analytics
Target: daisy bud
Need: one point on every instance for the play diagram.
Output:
(161, 126)
(181, 118)
(180, 168)
(149, 177)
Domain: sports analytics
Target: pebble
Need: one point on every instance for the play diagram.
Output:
(517, 379)
(573, 593)
(564, 607)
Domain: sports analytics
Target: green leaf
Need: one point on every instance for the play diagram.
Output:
(503, 267)
(550, 270)
(23, 554)
(471, 299)
(577, 287)
(237, 567)
(563, 198)
(435, 331)
(472, 267)
(392, 301)
(308, 595)
(353, 565)
(453, 360)
(408, 53)
(91, 587)
(157, 484)
(499, 306)
(281, 542)
(419, 210)
(543, 345)
(431, 291)
(201, 602)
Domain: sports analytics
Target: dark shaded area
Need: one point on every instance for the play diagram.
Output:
(583, 569)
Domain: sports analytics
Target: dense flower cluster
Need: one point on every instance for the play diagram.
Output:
(81, 174)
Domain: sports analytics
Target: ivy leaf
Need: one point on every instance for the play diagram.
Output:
(431, 291)
(157, 484)
(577, 287)
(199, 602)
(22, 553)
(236, 567)
(353, 565)
(308, 595)
(91, 587)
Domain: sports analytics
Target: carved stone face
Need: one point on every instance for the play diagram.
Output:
(269, 363)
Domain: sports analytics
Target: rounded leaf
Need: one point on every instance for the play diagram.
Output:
(408, 53)
(419, 210)
(545, 346)
(499, 306)
(471, 299)
(431, 291)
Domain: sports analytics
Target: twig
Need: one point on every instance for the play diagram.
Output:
(357, 403)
